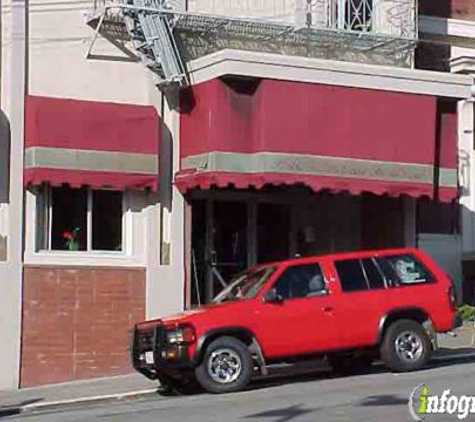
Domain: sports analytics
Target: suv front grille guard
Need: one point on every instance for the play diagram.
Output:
(142, 344)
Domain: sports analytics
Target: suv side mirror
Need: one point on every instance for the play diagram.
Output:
(272, 297)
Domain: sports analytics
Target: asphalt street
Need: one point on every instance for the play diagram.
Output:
(376, 395)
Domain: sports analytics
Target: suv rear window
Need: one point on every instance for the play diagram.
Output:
(402, 270)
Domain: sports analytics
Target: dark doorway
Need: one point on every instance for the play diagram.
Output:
(229, 242)
(382, 222)
(229, 236)
(198, 252)
(219, 246)
(273, 232)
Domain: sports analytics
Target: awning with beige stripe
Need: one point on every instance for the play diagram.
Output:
(90, 143)
(253, 133)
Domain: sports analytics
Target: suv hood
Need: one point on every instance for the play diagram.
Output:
(189, 315)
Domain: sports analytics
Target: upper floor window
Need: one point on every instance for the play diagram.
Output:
(353, 15)
(300, 281)
(80, 219)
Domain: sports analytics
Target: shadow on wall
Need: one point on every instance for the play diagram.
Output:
(4, 157)
(4, 173)
(431, 53)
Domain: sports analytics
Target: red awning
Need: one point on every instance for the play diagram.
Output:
(90, 143)
(256, 133)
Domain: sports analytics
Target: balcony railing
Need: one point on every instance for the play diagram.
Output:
(371, 31)
(391, 17)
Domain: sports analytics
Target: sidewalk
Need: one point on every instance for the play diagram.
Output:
(462, 344)
(135, 385)
(92, 391)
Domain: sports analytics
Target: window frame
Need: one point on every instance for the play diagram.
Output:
(342, 21)
(44, 241)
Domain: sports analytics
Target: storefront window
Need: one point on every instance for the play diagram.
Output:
(80, 219)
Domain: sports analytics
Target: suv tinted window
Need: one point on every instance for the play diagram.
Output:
(351, 275)
(301, 281)
(373, 274)
(404, 270)
(356, 275)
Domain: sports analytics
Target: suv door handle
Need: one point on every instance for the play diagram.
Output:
(327, 309)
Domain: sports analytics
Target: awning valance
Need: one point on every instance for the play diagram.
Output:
(256, 133)
(90, 143)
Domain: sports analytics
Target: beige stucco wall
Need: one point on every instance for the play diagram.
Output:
(12, 88)
(58, 41)
(50, 61)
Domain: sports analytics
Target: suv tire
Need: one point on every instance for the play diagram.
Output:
(226, 367)
(406, 346)
(176, 385)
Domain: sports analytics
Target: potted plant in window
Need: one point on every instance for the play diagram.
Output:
(71, 237)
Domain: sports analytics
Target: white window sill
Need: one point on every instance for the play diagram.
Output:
(65, 258)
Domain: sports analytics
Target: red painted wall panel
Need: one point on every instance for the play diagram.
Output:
(456, 9)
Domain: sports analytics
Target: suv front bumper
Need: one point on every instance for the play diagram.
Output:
(152, 355)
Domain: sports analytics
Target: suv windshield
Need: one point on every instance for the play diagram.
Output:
(245, 285)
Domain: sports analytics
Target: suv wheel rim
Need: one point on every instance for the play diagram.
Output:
(409, 346)
(224, 366)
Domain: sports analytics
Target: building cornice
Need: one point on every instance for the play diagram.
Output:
(329, 72)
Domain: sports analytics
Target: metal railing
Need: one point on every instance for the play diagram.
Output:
(391, 17)
(169, 33)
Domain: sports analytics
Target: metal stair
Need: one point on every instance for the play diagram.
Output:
(151, 31)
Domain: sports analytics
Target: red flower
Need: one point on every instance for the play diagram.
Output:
(67, 235)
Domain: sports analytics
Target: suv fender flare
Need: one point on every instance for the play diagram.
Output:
(240, 333)
(414, 313)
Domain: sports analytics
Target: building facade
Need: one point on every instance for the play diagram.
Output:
(253, 133)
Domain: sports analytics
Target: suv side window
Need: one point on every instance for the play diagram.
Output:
(357, 275)
(351, 275)
(402, 270)
(373, 274)
(301, 281)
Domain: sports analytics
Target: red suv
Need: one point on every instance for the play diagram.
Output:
(351, 308)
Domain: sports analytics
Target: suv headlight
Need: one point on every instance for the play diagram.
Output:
(181, 334)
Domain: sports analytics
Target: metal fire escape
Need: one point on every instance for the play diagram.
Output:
(150, 25)
(166, 36)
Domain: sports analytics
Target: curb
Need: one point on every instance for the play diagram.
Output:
(454, 356)
(54, 405)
